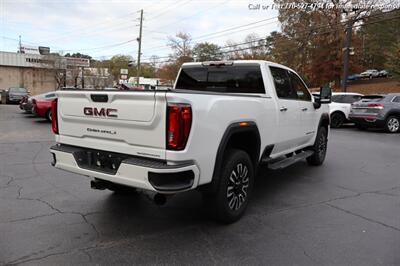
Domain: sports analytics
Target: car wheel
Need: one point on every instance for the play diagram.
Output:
(392, 124)
(370, 76)
(235, 185)
(337, 120)
(320, 147)
(49, 115)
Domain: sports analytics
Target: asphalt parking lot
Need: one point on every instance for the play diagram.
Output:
(346, 212)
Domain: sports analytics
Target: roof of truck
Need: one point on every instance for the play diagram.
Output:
(238, 62)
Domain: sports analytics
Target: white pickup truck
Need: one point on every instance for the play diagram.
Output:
(211, 131)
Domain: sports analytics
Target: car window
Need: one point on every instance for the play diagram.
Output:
(283, 87)
(17, 90)
(228, 79)
(396, 99)
(337, 98)
(298, 85)
(51, 95)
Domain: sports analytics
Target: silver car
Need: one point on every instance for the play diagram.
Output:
(15, 95)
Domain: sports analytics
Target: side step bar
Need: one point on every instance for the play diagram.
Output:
(291, 160)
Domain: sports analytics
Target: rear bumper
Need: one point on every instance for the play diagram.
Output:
(142, 173)
(367, 120)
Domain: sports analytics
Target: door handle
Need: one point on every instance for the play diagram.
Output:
(304, 109)
(283, 109)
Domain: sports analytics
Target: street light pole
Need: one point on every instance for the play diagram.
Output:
(347, 54)
(140, 46)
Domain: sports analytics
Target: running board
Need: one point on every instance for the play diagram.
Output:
(289, 161)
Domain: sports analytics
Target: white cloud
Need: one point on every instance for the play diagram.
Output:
(81, 25)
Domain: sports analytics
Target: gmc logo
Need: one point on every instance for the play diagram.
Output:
(100, 112)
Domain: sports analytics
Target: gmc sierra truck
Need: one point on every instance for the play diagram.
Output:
(211, 131)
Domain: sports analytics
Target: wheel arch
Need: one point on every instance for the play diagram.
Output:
(240, 135)
(325, 121)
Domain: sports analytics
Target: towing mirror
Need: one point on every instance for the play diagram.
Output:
(325, 94)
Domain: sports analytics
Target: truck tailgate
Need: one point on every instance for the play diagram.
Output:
(131, 122)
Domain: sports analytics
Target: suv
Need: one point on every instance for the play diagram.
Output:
(211, 131)
(379, 111)
(340, 107)
(15, 95)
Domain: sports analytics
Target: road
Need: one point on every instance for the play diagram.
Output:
(346, 212)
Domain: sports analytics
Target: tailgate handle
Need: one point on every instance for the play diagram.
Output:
(99, 98)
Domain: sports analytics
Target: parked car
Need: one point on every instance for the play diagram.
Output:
(210, 132)
(383, 73)
(42, 105)
(26, 103)
(379, 111)
(15, 95)
(340, 107)
(370, 73)
(354, 77)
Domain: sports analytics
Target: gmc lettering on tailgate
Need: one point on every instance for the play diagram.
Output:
(100, 112)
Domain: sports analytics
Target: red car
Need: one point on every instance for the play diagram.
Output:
(42, 106)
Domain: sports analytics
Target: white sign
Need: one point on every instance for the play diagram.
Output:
(26, 49)
(78, 62)
(124, 71)
(124, 77)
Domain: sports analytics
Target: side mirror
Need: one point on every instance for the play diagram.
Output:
(325, 94)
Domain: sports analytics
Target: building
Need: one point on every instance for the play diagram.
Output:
(42, 73)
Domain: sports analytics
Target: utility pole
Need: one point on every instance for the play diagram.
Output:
(140, 46)
(20, 45)
(349, 29)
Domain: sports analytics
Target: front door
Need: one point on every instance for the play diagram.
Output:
(290, 129)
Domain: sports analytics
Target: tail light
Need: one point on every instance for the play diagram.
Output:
(376, 105)
(54, 117)
(179, 121)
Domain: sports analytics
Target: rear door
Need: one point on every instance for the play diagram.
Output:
(289, 128)
(129, 122)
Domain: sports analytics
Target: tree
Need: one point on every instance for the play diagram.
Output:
(115, 63)
(206, 52)
(393, 59)
(78, 55)
(181, 47)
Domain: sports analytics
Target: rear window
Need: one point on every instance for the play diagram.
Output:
(229, 79)
(17, 89)
(372, 98)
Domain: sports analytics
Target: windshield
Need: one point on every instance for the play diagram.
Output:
(229, 79)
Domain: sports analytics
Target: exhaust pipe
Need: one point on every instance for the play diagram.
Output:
(157, 198)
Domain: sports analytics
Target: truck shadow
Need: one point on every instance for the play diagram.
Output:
(133, 215)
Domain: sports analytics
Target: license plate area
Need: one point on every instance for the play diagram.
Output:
(100, 161)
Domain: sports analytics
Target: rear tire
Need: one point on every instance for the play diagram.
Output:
(49, 115)
(337, 120)
(392, 124)
(230, 200)
(319, 148)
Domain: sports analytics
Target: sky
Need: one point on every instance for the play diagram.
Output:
(103, 28)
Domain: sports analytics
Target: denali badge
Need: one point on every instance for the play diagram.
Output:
(100, 112)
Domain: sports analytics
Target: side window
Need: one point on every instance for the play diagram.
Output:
(396, 99)
(282, 83)
(337, 98)
(301, 90)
